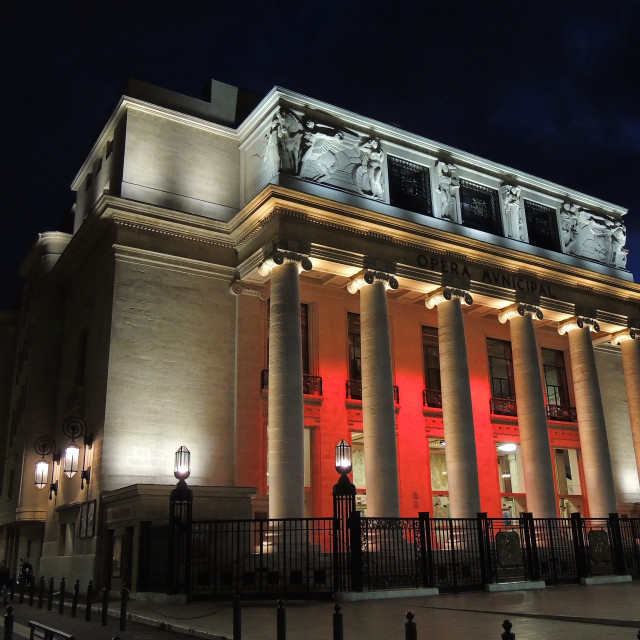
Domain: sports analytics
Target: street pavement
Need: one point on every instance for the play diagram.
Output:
(568, 612)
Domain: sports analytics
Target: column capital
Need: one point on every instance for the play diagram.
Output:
(518, 310)
(578, 322)
(278, 257)
(447, 293)
(366, 277)
(238, 288)
(625, 334)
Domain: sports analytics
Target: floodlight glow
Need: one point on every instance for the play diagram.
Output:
(507, 447)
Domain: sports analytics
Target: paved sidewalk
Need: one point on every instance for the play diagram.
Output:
(569, 612)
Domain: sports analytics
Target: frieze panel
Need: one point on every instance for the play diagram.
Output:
(586, 234)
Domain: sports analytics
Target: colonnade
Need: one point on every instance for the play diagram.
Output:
(285, 404)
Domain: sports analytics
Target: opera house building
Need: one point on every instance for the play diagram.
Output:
(258, 278)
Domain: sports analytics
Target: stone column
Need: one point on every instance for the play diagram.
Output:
(378, 407)
(286, 410)
(591, 424)
(537, 465)
(629, 342)
(457, 411)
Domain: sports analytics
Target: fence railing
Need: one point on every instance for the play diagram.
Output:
(314, 557)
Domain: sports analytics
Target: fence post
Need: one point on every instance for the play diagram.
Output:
(356, 551)
(507, 635)
(32, 588)
(616, 544)
(338, 630)
(105, 606)
(74, 602)
(410, 628)
(483, 541)
(50, 595)
(21, 590)
(237, 618)
(426, 552)
(533, 564)
(281, 620)
(578, 546)
(89, 602)
(124, 597)
(8, 624)
(41, 592)
(63, 586)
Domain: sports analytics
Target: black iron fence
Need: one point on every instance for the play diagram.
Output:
(354, 391)
(315, 557)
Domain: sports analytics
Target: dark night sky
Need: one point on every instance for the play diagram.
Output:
(548, 87)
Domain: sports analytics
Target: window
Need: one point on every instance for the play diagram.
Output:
(439, 479)
(409, 186)
(480, 207)
(511, 478)
(353, 337)
(568, 485)
(555, 377)
(503, 392)
(542, 226)
(431, 360)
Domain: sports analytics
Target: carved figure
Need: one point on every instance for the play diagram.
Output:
(618, 257)
(448, 185)
(283, 143)
(322, 145)
(513, 214)
(569, 227)
(369, 175)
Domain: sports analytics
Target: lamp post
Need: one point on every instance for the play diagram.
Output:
(344, 508)
(180, 517)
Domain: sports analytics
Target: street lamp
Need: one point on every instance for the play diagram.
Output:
(343, 457)
(180, 517)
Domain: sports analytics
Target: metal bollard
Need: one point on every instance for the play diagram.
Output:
(12, 591)
(21, 592)
(50, 596)
(237, 618)
(8, 624)
(89, 602)
(281, 632)
(32, 588)
(105, 606)
(124, 597)
(410, 628)
(63, 588)
(507, 635)
(338, 629)
(41, 592)
(74, 602)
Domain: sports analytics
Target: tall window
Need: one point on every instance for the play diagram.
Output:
(304, 333)
(501, 368)
(555, 377)
(503, 391)
(431, 360)
(353, 337)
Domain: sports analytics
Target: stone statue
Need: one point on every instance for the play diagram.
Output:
(448, 186)
(569, 227)
(284, 140)
(618, 256)
(369, 175)
(513, 213)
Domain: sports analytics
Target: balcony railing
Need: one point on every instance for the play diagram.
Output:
(503, 406)
(432, 398)
(354, 391)
(561, 413)
(311, 385)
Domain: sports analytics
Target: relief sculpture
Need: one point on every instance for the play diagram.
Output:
(590, 235)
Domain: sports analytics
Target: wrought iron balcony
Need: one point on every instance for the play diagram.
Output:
(311, 385)
(432, 398)
(503, 406)
(354, 391)
(561, 413)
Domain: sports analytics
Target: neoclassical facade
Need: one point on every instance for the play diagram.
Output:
(258, 279)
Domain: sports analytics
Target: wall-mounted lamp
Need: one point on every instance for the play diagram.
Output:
(45, 445)
(74, 428)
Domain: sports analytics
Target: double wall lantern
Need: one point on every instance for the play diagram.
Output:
(70, 460)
